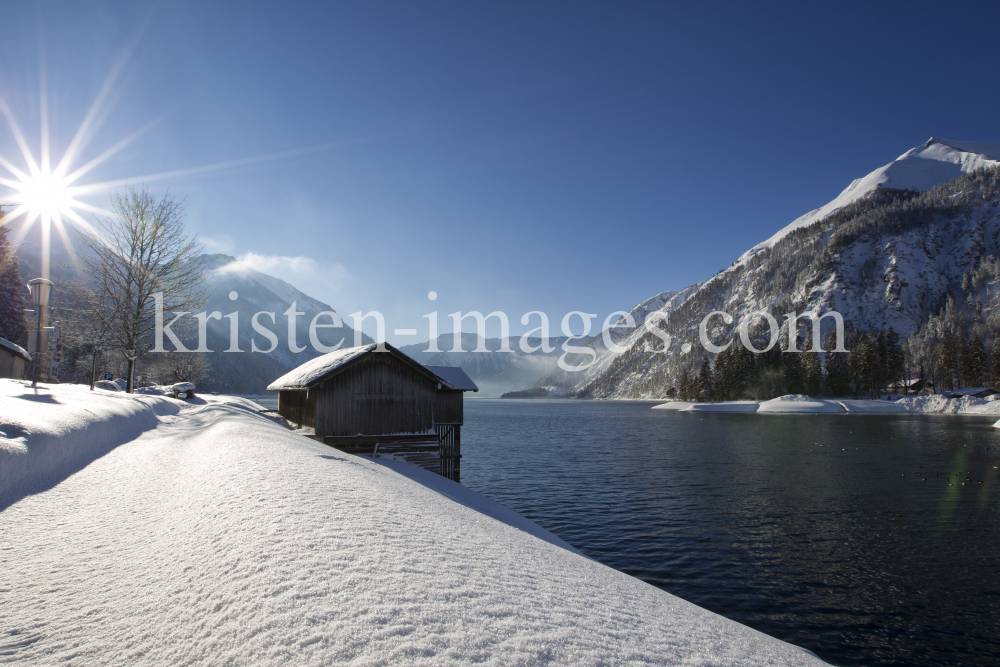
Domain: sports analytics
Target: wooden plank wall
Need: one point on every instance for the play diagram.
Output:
(378, 395)
(294, 406)
(449, 451)
(448, 407)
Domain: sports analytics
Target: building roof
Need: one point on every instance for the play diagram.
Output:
(316, 370)
(972, 391)
(14, 349)
(454, 376)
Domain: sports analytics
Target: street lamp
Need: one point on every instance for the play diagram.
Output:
(40, 289)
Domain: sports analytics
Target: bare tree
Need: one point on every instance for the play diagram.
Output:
(139, 253)
(170, 367)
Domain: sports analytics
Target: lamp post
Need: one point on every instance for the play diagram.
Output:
(40, 289)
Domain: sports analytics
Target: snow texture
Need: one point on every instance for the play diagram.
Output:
(48, 433)
(316, 368)
(210, 535)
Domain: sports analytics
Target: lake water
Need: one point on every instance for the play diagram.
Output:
(865, 550)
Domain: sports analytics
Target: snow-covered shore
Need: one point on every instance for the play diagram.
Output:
(798, 404)
(207, 534)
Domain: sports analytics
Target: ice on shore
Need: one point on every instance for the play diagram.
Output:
(207, 534)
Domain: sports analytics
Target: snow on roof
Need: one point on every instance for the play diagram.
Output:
(313, 370)
(454, 376)
(14, 349)
(971, 391)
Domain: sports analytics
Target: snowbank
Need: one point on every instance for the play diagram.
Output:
(935, 403)
(872, 407)
(217, 537)
(50, 433)
(723, 406)
(800, 403)
(673, 405)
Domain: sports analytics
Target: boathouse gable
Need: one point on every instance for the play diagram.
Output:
(376, 400)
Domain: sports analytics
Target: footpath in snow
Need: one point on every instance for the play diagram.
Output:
(144, 530)
(799, 404)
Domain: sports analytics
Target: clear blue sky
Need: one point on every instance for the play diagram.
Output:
(514, 156)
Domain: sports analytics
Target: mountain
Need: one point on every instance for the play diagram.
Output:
(921, 168)
(251, 372)
(891, 249)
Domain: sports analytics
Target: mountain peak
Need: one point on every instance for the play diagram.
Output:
(935, 162)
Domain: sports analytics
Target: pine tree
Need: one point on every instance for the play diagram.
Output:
(861, 364)
(951, 355)
(13, 326)
(684, 386)
(974, 362)
(813, 373)
(838, 374)
(795, 374)
(996, 359)
(895, 360)
(704, 388)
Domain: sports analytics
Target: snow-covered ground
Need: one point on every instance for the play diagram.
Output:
(154, 531)
(797, 403)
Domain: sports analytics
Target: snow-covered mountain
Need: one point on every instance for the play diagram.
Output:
(880, 254)
(921, 168)
(251, 372)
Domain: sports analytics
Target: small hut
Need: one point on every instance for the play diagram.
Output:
(12, 359)
(375, 400)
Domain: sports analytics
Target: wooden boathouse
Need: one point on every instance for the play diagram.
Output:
(374, 400)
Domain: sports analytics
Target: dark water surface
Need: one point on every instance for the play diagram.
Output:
(843, 549)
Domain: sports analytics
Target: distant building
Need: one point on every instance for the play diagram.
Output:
(380, 402)
(12, 359)
(975, 392)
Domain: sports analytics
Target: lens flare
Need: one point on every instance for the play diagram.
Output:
(45, 195)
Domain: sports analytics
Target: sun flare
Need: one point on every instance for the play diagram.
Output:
(45, 195)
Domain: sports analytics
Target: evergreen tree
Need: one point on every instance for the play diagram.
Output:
(704, 387)
(813, 373)
(996, 359)
(684, 386)
(13, 326)
(838, 374)
(951, 355)
(795, 374)
(974, 362)
(895, 360)
(861, 365)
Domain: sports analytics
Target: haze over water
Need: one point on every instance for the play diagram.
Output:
(843, 548)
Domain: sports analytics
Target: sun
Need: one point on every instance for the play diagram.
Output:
(49, 192)
(46, 195)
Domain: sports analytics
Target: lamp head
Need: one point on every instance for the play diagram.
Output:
(40, 289)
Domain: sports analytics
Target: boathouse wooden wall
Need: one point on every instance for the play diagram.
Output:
(448, 407)
(297, 406)
(379, 395)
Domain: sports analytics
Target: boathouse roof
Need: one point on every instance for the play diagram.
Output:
(454, 376)
(328, 365)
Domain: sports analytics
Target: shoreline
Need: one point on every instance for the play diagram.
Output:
(800, 404)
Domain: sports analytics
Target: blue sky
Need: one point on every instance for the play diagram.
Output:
(509, 156)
